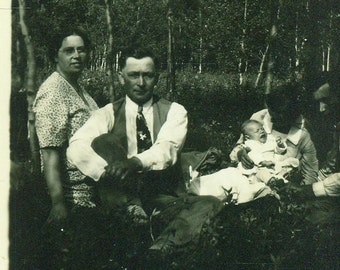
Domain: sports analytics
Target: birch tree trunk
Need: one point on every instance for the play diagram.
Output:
(268, 54)
(170, 60)
(328, 65)
(110, 56)
(297, 47)
(272, 44)
(31, 89)
(261, 71)
(323, 59)
(270, 63)
(242, 66)
(200, 38)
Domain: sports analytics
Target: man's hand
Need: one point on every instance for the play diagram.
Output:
(244, 158)
(121, 169)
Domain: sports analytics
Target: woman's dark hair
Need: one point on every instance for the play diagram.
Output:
(138, 53)
(55, 41)
(285, 99)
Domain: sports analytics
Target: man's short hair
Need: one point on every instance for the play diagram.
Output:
(138, 53)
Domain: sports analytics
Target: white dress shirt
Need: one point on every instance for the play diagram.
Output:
(161, 155)
(328, 187)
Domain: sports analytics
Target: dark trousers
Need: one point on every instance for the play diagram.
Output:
(178, 220)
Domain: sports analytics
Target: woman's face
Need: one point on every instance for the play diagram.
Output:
(71, 56)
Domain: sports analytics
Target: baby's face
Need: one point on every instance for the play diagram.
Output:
(255, 131)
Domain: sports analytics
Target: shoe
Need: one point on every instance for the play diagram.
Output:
(137, 215)
(276, 183)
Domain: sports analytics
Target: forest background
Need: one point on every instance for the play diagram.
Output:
(218, 59)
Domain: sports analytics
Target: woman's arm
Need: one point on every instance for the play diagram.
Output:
(52, 170)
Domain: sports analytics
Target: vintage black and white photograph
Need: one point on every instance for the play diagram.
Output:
(174, 134)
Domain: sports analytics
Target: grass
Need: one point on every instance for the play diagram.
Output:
(263, 234)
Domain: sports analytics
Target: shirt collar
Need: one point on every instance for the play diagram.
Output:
(134, 106)
(295, 132)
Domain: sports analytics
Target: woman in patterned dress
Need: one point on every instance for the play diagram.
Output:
(61, 108)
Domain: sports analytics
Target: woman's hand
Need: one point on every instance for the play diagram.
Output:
(58, 213)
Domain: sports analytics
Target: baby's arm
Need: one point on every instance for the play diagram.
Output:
(281, 147)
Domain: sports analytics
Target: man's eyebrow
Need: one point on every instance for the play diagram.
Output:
(72, 47)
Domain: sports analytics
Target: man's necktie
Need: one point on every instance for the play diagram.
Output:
(143, 134)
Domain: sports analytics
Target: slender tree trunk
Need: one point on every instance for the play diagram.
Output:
(328, 66)
(110, 55)
(261, 71)
(103, 59)
(31, 89)
(200, 38)
(297, 47)
(272, 45)
(270, 63)
(242, 66)
(270, 49)
(171, 87)
(323, 59)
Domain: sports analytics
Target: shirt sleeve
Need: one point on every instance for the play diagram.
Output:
(80, 152)
(170, 140)
(328, 187)
(309, 162)
(330, 165)
(51, 118)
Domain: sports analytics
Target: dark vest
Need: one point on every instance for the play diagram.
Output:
(113, 146)
(161, 108)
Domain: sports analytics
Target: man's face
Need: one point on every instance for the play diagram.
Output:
(255, 131)
(327, 103)
(139, 78)
(71, 56)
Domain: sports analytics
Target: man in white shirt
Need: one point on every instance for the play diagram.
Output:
(167, 125)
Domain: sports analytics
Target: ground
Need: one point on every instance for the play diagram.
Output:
(264, 234)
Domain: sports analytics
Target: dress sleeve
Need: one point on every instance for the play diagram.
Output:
(51, 118)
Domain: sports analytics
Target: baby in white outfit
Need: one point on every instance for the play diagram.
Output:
(268, 154)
